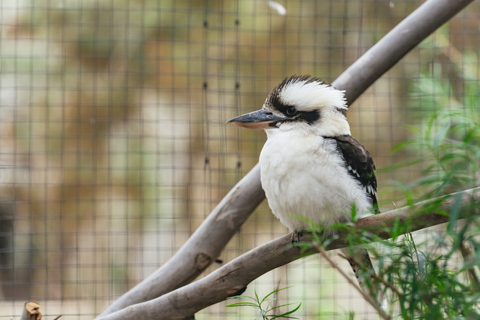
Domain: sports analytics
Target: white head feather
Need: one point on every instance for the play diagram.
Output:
(309, 94)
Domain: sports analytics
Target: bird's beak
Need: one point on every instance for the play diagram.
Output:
(256, 120)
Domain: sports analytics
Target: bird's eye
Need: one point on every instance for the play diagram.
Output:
(291, 111)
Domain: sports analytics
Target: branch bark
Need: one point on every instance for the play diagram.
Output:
(31, 311)
(206, 244)
(233, 277)
(203, 247)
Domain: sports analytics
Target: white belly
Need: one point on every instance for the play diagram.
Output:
(305, 177)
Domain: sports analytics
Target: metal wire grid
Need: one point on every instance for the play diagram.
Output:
(114, 148)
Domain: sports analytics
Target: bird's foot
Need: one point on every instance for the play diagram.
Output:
(296, 236)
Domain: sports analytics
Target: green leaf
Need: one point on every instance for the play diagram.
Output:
(243, 304)
(273, 292)
(454, 213)
(286, 314)
(240, 296)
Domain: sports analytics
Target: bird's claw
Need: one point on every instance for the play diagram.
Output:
(296, 237)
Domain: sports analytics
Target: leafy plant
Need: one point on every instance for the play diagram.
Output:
(429, 280)
(447, 142)
(264, 312)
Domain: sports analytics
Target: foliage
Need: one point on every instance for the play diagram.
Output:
(429, 280)
(447, 142)
(271, 307)
(424, 280)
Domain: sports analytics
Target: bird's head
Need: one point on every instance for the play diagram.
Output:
(300, 103)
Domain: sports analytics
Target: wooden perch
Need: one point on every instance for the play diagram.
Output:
(203, 247)
(206, 244)
(232, 278)
(31, 311)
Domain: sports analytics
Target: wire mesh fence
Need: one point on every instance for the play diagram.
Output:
(114, 148)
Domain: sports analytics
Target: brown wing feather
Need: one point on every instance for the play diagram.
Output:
(360, 164)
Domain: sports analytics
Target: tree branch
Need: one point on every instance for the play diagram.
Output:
(206, 244)
(233, 277)
(203, 247)
(31, 311)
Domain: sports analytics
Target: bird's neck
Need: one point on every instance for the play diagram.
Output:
(332, 124)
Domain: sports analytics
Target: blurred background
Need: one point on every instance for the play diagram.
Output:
(114, 148)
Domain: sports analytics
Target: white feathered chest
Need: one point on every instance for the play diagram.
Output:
(306, 176)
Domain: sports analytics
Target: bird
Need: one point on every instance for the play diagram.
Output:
(310, 165)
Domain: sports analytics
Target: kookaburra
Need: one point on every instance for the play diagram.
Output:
(310, 165)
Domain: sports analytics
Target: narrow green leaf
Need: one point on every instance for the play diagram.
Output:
(243, 304)
(273, 292)
(454, 213)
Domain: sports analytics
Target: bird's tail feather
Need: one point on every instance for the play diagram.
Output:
(363, 269)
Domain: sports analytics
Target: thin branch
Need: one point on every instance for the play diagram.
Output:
(468, 258)
(206, 244)
(31, 311)
(350, 280)
(388, 285)
(202, 248)
(233, 277)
